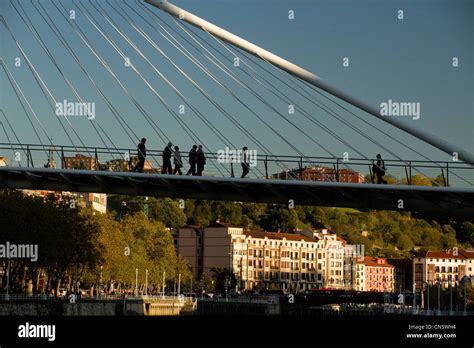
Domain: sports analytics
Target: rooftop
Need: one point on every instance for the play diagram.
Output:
(446, 254)
(375, 262)
(222, 224)
(278, 235)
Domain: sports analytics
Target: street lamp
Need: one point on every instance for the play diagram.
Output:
(136, 281)
(146, 282)
(464, 281)
(428, 285)
(450, 295)
(179, 284)
(100, 280)
(7, 296)
(439, 296)
(414, 298)
(145, 206)
(226, 287)
(164, 275)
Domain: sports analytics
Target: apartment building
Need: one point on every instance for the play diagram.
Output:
(80, 161)
(322, 174)
(403, 274)
(445, 266)
(98, 201)
(273, 260)
(188, 244)
(330, 258)
(374, 274)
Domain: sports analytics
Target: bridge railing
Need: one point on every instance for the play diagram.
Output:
(228, 164)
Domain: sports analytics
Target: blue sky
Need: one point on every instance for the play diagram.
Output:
(403, 60)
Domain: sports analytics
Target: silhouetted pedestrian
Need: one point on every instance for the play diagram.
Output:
(192, 161)
(245, 162)
(379, 170)
(178, 163)
(167, 152)
(141, 156)
(201, 160)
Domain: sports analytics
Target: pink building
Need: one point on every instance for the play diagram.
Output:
(375, 274)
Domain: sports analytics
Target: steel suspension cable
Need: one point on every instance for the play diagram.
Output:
(195, 61)
(99, 28)
(333, 113)
(42, 85)
(14, 133)
(220, 108)
(18, 92)
(35, 33)
(123, 123)
(218, 133)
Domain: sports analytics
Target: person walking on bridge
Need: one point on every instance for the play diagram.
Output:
(178, 163)
(379, 170)
(141, 156)
(201, 160)
(192, 161)
(167, 152)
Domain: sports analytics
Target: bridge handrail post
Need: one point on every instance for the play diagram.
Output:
(371, 174)
(63, 164)
(409, 171)
(337, 169)
(265, 162)
(29, 158)
(444, 178)
(28, 155)
(232, 170)
(447, 174)
(300, 165)
(96, 159)
(406, 175)
(129, 161)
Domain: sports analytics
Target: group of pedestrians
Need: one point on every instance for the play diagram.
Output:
(197, 159)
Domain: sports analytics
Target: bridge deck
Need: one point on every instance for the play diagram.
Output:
(418, 199)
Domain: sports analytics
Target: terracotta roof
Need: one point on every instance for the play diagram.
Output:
(278, 235)
(372, 262)
(344, 242)
(442, 254)
(467, 253)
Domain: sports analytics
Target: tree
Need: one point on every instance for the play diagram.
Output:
(465, 232)
(418, 180)
(230, 212)
(224, 280)
(167, 211)
(65, 237)
(202, 214)
(280, 219)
